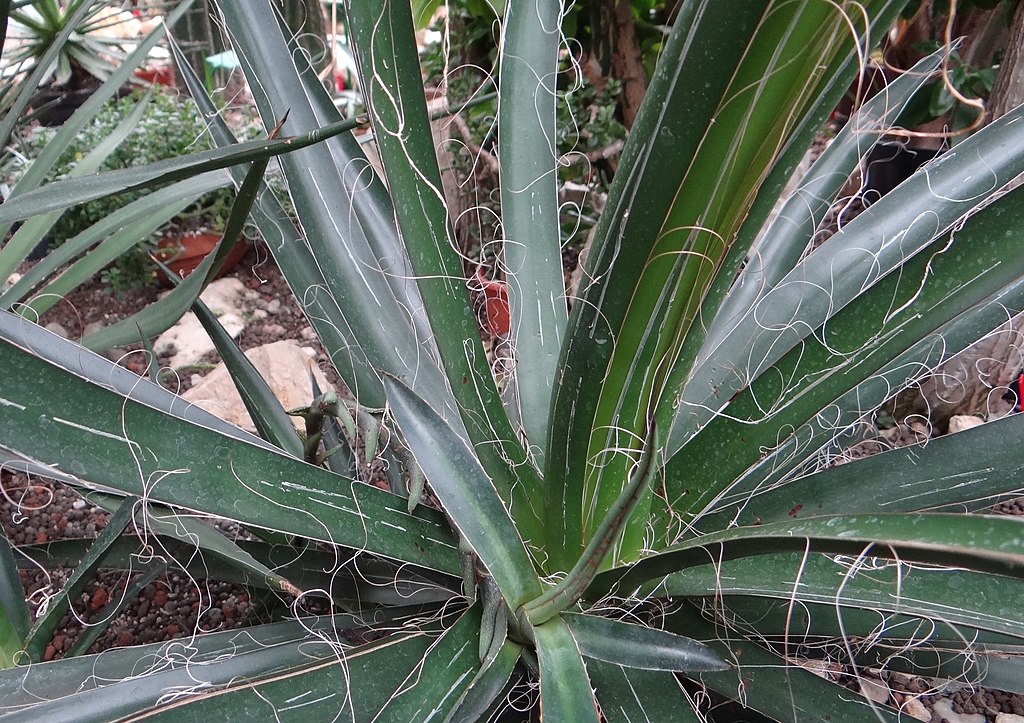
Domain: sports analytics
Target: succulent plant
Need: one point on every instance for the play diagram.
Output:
(645, 517)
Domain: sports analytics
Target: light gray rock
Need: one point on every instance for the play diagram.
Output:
(186, 342)
(285, 367)
(960, 422)
(57, 329)
(1009, 718)
(914, 708)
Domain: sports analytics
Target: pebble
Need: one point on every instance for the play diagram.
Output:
(78, 504)
(915, 709)
(1009, 718)
(57, 329)
(274, 306)
(874, 690)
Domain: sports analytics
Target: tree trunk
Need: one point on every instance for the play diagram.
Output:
(627, 66)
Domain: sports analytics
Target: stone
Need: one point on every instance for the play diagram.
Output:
(12, 280)
(285, 367)
(916, 709)
(57, 329)
(960, 422)
(274, 306)
(224, 296)
(943, 708)
(187, 342)
(1009, 718)
(874, 690)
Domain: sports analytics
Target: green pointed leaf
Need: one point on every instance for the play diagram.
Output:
(466, 493)
(62, 194)
(628, 694)
(773, 685)
(270, 418)
(53, 150)
(565, 690)
(100, 621)
(118, 231)
(637, 646)
(42, 630)
(487, 686)
(33, 230)
(14, 617)
(985, 544)
(404, 140)
(961, 597)
(903, 326)
(976, 467)
(435, 685)
(527, 93)
(870, 247)
(98, 435)
(164, 313)
(293, 654)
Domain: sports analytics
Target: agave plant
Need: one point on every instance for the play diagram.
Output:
(644, 517)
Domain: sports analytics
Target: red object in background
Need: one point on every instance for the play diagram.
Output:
(161, 74)
(182, 254)
(496, 309)
(339, 82)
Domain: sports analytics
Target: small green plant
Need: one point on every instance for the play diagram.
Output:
(170, 127)
(647, 519)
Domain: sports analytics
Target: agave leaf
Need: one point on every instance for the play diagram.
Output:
(139, 449)
(14, 617)
(956, 597)
(163, 314)
(953, 476)
(271, 420)
(100, 621)
(42, 67)
(42, 630)
(305, 657)
(304, 272)
(637, 646)
(53, 150)
(30, 689)
(774, 686)
(33, 230)
(782, 243)
(629, 694)
(529, 208)
(406, 145)
(353, 265)
(356, 684)
(486, 686)
(565, 689)
(743, 92)
(870, 247)
(895, 331)
(62, 194)
(985, 544)
(198, 534)
(998, 667)
(436, 684)
(467, 494)
(142, 216)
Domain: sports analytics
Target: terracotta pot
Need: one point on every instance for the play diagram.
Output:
(182, 254)
(496, 310)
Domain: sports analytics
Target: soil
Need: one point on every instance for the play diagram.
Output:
(37, 511)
